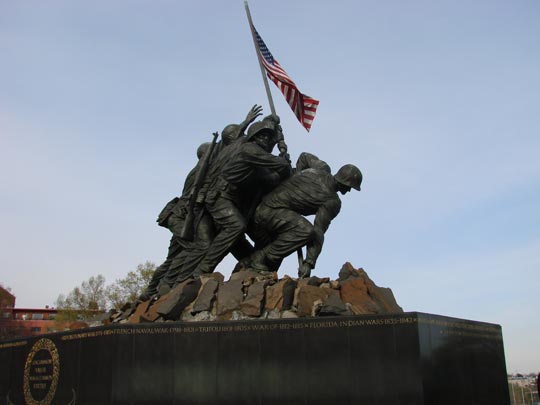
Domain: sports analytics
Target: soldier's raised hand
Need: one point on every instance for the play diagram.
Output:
(255, 111)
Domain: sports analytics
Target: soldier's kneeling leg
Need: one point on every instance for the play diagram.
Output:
(293, 231)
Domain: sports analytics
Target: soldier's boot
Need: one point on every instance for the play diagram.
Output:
(257, 261)
(241, 265)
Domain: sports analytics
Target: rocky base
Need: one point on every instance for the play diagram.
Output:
(252, 295)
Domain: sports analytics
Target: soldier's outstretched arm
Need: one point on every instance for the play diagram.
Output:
(256, 157)
(255, 112)
(325, 214)
(282, 146)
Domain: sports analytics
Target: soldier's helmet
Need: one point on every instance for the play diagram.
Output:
(230, 133)
(272, 117)
(349, 175)
(201, 150)
(261, 126)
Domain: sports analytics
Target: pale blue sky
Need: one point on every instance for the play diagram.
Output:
(103, 104)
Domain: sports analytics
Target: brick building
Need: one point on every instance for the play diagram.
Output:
(22, 322)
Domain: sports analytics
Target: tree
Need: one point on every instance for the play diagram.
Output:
(90, 296)
(7, 299)
(83, 301)
(93, 295)
(129, 288)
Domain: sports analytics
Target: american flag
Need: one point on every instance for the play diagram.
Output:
(303, 106)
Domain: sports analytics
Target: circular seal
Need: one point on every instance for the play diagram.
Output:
(41, 372)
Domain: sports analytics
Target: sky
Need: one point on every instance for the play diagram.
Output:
(103, 105)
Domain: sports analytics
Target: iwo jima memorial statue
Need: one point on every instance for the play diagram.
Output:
(194, 338)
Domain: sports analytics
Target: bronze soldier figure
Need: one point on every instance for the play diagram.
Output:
(279, 226)
(172, 218)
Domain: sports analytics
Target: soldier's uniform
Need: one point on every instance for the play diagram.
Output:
(186, 261)
(279, 226)
(172, 217)
(249, 171)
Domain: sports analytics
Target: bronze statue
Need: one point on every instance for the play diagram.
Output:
(239, 186)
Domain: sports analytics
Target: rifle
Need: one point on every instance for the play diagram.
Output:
(188, 230)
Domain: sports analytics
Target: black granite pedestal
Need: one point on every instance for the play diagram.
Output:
(409, 358)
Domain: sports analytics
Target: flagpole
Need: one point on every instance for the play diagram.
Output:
(265, 79)
(299, 254)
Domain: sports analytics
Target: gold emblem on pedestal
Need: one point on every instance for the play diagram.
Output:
(41, 372)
